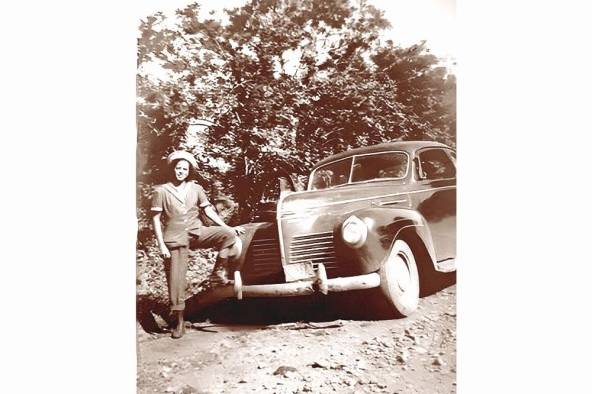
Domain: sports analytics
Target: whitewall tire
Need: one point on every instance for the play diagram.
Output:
(399, 280)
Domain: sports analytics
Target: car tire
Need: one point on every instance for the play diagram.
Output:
(399, 281)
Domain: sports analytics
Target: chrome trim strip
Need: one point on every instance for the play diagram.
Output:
(300, 260)
(375, 197)
(313, 256)
(278, 219)
(384, 203)
(263, 240)
(306, 247)
(321, 249)
(351, 170)
(301, 249)
(304, 238)
(310, 234)
(308, 242)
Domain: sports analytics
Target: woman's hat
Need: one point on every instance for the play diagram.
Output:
(184, 155)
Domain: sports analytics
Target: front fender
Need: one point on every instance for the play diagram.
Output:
(385, 225)
(246, 238)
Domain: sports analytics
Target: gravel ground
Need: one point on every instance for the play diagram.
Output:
(258, 347)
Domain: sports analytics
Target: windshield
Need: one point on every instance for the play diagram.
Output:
(379, 166)
(375, 166)
(330, 175)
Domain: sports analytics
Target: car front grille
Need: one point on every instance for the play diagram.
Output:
(263, 261)
(316, 248)
(265, 265)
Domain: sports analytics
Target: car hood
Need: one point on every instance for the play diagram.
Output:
(337, 199)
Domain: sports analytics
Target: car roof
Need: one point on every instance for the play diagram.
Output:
(407, 146)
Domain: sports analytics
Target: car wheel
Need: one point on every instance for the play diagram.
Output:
(399, 280)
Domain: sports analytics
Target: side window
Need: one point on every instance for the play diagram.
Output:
(390, 165)
(435, 164)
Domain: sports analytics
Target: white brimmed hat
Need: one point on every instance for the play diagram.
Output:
(182, 155)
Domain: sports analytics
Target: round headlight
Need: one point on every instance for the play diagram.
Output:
(354, 231)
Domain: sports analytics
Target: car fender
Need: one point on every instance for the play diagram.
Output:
(245, 240)
(385, 226)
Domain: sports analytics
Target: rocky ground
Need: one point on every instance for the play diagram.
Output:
(258, 346)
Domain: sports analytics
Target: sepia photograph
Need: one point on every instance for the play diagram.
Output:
(281, 196)
(296, 197)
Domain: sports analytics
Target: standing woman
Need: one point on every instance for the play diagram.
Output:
(180, 200)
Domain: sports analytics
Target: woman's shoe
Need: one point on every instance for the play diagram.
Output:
(179, 330)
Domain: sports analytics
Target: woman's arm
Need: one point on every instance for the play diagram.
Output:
(211, 213)
(158, 232)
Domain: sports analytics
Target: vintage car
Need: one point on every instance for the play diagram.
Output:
(379, 219)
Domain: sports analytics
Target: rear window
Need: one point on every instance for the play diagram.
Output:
(436, 164)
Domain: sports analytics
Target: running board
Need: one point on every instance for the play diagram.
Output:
(447, 265)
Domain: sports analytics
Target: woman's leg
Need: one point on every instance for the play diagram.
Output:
(228, 245)
(177, 281)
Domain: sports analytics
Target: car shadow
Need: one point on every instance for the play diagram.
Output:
(353, 305)
(263, 311)
(437, 281)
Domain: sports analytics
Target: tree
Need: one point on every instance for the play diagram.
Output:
(424, 89)
(286, 83)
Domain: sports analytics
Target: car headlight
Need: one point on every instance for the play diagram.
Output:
(354, 231)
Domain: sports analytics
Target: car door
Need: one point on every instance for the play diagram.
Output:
(435, 197)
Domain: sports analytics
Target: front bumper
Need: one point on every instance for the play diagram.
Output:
(319, 284)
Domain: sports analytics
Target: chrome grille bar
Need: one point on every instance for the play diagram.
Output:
(307, 246)
(309, 240)
(265, 255)
(313, 247)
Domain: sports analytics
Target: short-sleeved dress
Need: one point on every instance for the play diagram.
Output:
(183, 228)
(181, 211)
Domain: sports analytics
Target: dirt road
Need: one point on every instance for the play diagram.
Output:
(303, 352)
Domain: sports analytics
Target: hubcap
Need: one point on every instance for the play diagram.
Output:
(402, 274)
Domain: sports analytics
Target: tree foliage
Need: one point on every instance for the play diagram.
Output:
(286, 83)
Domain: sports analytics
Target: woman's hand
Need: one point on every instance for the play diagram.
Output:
(239, 230)
(164, 252)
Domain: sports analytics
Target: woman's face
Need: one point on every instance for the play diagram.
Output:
(181, 170)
